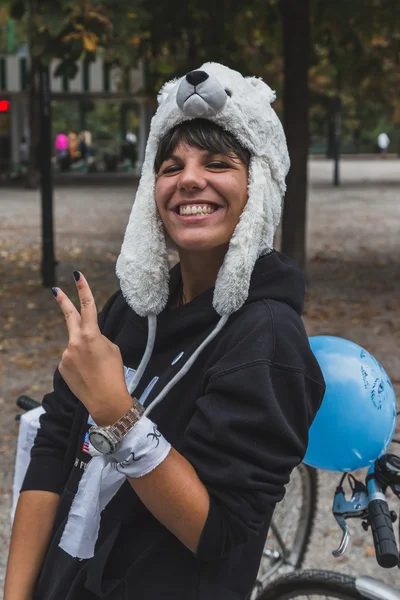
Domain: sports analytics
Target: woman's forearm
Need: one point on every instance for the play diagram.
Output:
(174, 494)
(30, 536)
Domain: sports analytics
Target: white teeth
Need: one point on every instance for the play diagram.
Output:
(191, 209)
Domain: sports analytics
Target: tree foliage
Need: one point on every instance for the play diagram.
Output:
(244, 36)
(358, 41)
(70, 31)
(356, 55)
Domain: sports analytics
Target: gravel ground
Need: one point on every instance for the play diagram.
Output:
(353, 291)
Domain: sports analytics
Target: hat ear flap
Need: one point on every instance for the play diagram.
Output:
(233, 281)
(142, 266)
(253, 237)
(263, 88)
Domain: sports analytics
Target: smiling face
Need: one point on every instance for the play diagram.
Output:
(200, 196)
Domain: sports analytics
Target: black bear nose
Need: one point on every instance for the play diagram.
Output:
(196, 77)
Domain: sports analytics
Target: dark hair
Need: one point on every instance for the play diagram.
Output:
(202, 134)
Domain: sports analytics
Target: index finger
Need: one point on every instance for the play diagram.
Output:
(88, 305)
(71, 315)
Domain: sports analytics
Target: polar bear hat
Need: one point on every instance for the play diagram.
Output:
(241, 106)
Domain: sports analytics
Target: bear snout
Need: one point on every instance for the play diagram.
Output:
(200, 93)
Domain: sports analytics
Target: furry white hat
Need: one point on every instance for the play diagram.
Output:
(241, 106)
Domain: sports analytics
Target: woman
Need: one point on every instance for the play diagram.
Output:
(177, 500)
(62, 150)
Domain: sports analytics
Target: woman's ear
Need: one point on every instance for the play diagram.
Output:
(262, 88)
(165, 90)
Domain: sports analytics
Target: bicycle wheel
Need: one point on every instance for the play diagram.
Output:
(291, 528)
(312, 585)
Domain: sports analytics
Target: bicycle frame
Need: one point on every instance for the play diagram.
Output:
(375, 590)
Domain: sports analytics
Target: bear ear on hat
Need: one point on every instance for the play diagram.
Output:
(263, 88)
(165, 90)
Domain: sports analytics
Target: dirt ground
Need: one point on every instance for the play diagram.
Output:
(353, 291)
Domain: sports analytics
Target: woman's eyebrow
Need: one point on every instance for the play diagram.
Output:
(173, 157)
(211, 154)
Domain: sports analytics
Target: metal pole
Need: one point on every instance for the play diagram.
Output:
(337, 132)
(31, 178)
(338, 122)
(46, 178)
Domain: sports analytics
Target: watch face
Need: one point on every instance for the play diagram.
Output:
(100, 442)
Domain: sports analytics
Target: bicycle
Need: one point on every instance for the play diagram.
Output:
(368, 503)
(291, 525)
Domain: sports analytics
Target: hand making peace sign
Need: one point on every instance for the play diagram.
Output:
(91, 365)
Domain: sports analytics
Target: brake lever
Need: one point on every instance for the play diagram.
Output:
(344, 509)
(345, 537)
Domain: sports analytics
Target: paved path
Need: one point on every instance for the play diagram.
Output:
(353, 291)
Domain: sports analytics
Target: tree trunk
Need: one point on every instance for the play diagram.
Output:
(216, 32)
(296, 46)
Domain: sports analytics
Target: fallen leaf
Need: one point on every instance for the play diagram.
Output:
(370, 551)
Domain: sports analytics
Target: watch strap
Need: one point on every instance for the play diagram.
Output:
(125, 423)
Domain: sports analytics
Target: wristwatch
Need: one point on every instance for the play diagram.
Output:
(107, 439)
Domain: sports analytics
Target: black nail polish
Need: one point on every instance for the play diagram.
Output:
(76, 275)
(55, 291)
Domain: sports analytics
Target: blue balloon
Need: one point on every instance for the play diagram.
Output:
(357, 418)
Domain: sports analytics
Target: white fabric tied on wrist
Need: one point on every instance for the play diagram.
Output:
(141, 451)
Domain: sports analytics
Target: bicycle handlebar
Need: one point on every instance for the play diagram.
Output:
(27, 403)
(387, 553)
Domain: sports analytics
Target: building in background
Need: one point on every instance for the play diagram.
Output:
(93, 81)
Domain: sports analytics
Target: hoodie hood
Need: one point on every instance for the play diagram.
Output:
(275, 277)
(241, 106)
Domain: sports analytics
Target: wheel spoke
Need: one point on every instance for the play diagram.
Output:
(279, 539)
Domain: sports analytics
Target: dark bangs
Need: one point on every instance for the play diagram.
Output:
(202, 134)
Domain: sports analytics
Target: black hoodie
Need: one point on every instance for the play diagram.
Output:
(241, 416)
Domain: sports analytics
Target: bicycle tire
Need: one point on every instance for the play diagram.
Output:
(301, 534)
(313, 585)
(304, 531)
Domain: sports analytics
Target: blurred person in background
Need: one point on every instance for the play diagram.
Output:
(85, 144)
(130, 137)
(62, 150)
(129, 148)
(23, 150)
(73, 145)
(383, 143)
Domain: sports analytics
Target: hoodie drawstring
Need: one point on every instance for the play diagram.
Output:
(187, 364)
